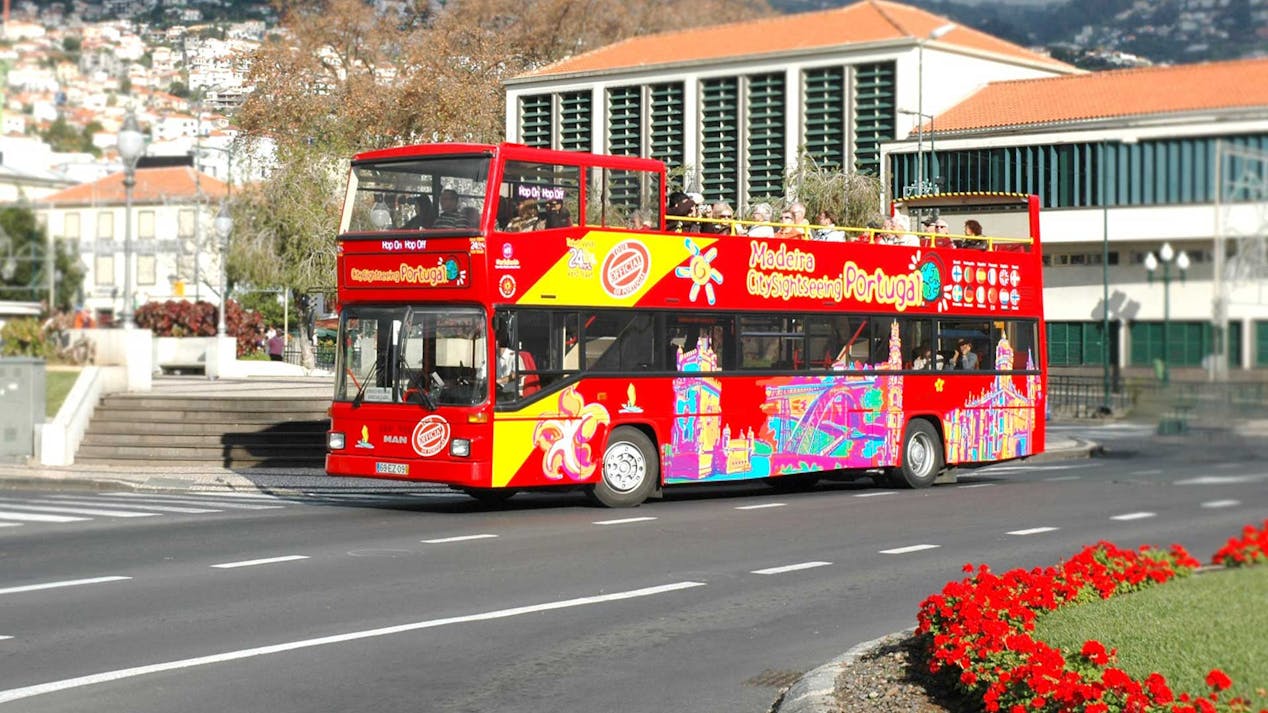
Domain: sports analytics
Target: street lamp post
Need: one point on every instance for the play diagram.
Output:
(936, 33)
(1166, 256)
(224, 227)
(131, 145)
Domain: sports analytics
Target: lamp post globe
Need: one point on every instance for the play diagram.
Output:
(131, 145)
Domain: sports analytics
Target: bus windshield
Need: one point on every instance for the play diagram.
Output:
(422, 194)
(418, 354)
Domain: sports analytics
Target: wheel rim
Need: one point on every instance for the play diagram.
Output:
(624, 467)
(920, 454)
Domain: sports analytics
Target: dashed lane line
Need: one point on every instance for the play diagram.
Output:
(135, 506)
(791, 567)
(16, 694)
(975, 485)
(763, 506)
(624, 521)
(1151, 471)
(459, 538)
(909, 549)
(1133, 516)
(872, 495)
(253, 563)
(1223, 480)
(1061, 478)
(36, 517)
(58, 585)
(91, 512)
(1034, 531)
(1221, 503)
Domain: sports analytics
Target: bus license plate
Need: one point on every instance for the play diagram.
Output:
(392, 468)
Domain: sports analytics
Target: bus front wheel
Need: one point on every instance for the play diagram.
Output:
(630, 469)
(922, 456)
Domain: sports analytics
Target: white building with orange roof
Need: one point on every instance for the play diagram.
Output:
(735, 103)
(1127, 162)
(174, 252)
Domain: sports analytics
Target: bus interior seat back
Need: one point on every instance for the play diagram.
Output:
(531, 383)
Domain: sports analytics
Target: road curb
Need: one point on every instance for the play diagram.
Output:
(1084, 449)
(815, 692)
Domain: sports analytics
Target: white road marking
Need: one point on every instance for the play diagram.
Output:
(872, 495)
(624, 520)
(33, 517)
(16, 694)
(95, 512)
(194, 501)
(10, 524)
(976, 485)
(460, 538)
(3, 638)
(1034, 531)
(252, 563)
(1221, 503)
(760, 507)
(1133, 516)
(1153, 471)
(1222, 480)
(136, 506)
(909, 548)
(56, 585)
(791, 568)
(1060, 478)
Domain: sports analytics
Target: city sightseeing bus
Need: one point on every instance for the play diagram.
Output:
(514, 318)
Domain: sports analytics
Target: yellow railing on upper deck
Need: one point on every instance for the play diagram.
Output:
(878, 236)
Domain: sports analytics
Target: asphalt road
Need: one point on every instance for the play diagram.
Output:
(708, 601)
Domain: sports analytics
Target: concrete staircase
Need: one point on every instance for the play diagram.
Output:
(227, 431)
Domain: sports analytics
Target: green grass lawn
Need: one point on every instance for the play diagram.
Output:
(1181, 629)
(57, 384)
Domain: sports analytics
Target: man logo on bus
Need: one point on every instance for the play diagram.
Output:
(625, 269)
(430, 436)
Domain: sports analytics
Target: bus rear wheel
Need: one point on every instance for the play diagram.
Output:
(630, 470)
(922, 457)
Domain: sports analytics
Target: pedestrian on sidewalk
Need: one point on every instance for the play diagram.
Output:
(277, 345)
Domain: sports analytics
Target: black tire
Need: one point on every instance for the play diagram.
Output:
(922, 456)
(490, 496)
(630, 470)
(793, 483)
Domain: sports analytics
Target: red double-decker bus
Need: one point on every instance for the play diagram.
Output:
(515, 318)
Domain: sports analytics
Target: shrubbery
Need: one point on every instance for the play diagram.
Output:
(25, 337)
(198, 319)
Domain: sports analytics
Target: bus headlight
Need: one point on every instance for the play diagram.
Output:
(460, 447)
(334, 441)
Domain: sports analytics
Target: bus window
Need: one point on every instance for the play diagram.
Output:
(538, 196)
(1021, 345)
(699, 342)
(544, 342)
(772, 342)
(405, 195)
(624, 199)
(618, 341)
(974, 333)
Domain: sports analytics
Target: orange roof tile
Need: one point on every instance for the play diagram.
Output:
(866, 21)
(153, 185)
(1099, 95)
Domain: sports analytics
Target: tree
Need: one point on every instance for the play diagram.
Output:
(341, 77)
(24, 242)
(853, 198)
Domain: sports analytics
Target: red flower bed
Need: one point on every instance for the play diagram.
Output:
(981, 627)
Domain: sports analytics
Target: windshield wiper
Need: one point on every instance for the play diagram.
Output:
(365, 382)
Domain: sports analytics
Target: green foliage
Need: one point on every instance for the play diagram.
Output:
(1181, 630)
(267, 305)
(852, 198)
(25, 337)
(28, 242)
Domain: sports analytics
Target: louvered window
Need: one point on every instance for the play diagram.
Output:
(666, 129)
(625, 112)
(824, 115)
(535, 121)
(766, 135)
(574, 121)
(720, 139)
(874, 114)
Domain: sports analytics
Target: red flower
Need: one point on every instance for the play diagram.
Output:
(1218, 680)
(1094, 651)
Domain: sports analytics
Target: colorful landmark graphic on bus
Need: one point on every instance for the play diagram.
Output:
(825, 422)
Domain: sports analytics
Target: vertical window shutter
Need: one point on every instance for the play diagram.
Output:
(535, 128)
(873, 115)
(720, 139)
(574, 121)
(766, 135)
(824, 115)
(666, 130)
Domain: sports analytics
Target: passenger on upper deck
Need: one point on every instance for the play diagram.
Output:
(828, 230)
(556, 216)
(973, 228)
(423, 215)
(678, 205)
(526, 218)
(721, 211)
(762, 214)
(798, 211)
(450, 214)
